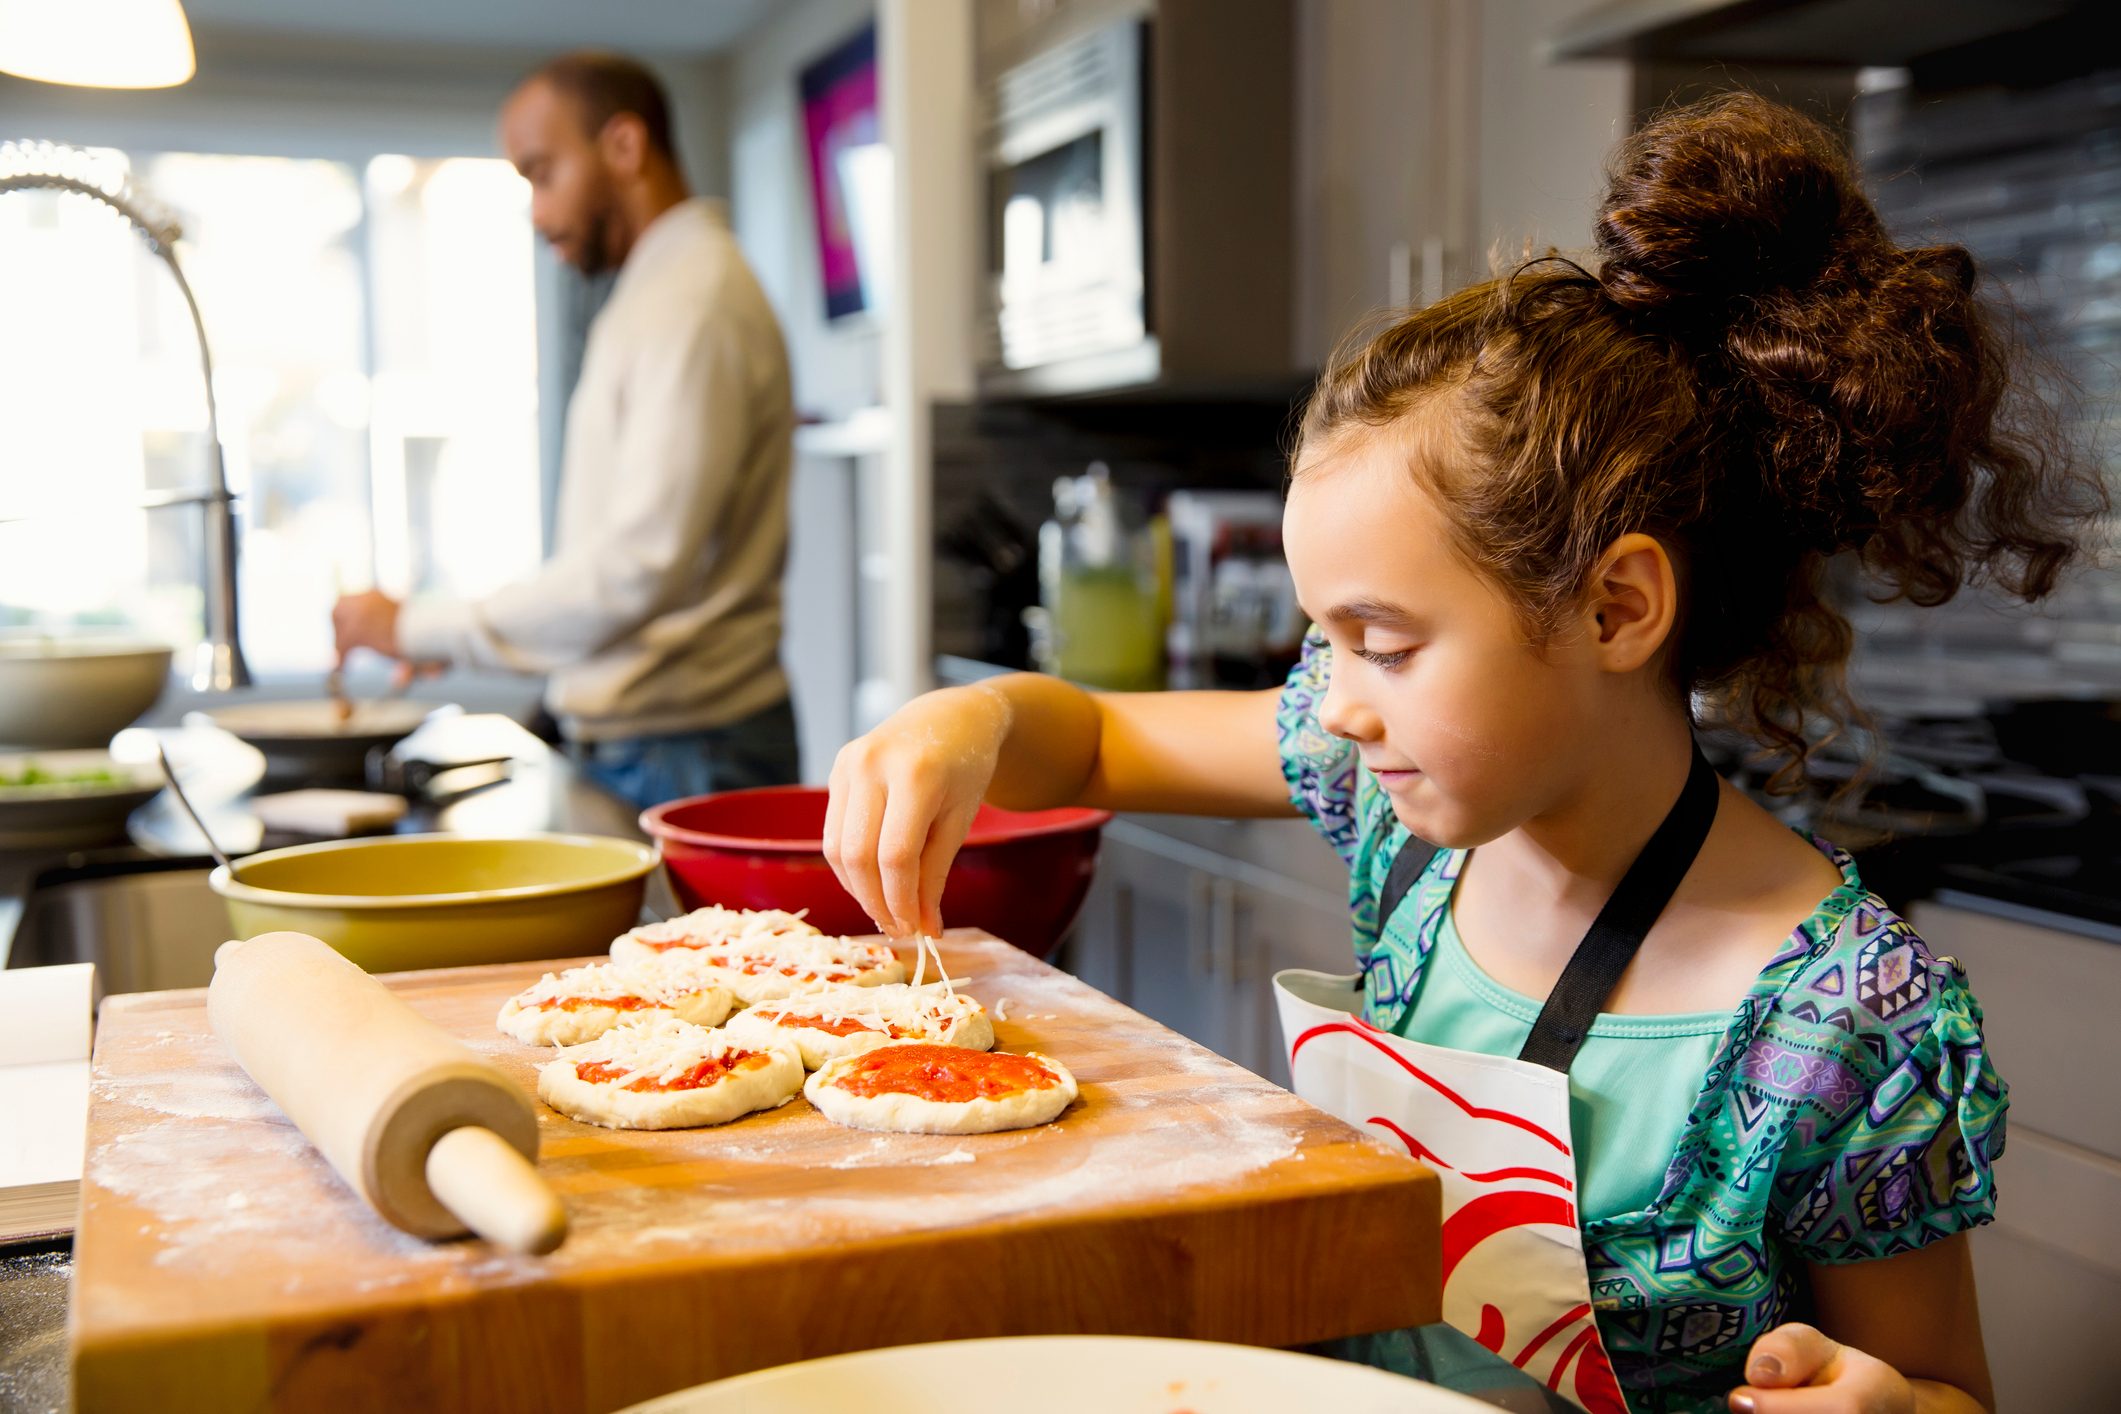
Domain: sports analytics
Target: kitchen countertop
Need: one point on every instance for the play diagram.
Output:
(540, 790)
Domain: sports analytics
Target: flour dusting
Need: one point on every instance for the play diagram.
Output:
(190, 1094)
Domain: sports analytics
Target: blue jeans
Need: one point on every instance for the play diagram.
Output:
(759, 750)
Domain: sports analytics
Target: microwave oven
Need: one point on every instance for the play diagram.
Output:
(1065, 264)
(1138, 172)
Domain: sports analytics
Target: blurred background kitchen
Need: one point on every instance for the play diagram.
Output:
(1054, 276)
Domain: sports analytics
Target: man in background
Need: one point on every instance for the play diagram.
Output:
(657, 620)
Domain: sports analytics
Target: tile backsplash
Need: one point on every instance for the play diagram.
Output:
(995, 465)
(2029, 180)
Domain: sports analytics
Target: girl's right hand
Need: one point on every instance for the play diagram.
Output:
(903, 798)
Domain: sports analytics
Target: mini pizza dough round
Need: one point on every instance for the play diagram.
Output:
(851, 1020)
(904, 1109)
(709, 927)
(582, 1003)
(644, 1060)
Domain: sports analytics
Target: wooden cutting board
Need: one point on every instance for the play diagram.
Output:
(220, 1264)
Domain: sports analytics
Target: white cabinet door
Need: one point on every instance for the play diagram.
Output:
(2049, 1267)
(1279, 928)
(1166, 919)
(1192, 938)
(1094, 949)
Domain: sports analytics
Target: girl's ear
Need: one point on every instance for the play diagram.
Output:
(1633, 604)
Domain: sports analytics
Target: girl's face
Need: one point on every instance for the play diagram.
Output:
(1469, 728)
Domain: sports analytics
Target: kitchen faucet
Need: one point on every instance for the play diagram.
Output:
(219, 665)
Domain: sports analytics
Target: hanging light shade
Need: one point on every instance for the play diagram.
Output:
(96, 43)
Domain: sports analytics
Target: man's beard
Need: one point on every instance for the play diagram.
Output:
(595, 257)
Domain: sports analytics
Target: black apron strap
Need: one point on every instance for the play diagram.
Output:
(1594, 971)
(1407, 866)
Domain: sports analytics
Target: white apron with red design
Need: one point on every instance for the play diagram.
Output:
(1496, 1130)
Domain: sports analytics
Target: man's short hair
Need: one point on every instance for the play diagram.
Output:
(605, 85)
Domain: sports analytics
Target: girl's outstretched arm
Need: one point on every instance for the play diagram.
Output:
(903, 796)
(1901, 1335)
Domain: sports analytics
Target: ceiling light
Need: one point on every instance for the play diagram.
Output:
(96, 43)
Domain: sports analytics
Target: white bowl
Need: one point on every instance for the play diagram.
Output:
(1067, 1374)
(76, 692)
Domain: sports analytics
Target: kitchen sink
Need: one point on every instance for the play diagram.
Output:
(147, 924)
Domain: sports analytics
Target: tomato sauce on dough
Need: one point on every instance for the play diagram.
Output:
(952, 1074)
(839, 1025)
(705, 1073)
(584, 1003)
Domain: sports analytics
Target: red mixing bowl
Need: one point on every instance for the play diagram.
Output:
(1021, 875)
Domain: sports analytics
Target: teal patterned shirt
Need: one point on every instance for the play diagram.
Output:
(1850, 1112)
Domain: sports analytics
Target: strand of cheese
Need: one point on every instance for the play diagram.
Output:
(925, 947)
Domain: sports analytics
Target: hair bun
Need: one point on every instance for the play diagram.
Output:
(1723, 200)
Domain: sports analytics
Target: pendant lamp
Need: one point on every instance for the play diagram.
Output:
(96, 43)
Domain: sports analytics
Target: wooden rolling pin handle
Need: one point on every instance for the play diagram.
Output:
(495, 1191)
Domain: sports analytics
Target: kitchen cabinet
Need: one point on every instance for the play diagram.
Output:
(2049, 1267)
(1190, 919)
(1381, 113)
(1434, 138)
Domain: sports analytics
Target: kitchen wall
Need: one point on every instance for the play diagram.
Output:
(836, 367)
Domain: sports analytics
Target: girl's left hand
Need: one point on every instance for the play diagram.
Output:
(1795, 1369)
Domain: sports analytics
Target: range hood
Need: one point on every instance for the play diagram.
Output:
(1858, 33)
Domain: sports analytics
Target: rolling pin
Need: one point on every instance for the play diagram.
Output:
(438, 1141)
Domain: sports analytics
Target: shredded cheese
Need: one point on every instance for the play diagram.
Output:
(665, 981)
(663, 1048)
(880, 1008)
(794, 954)
(715, 925)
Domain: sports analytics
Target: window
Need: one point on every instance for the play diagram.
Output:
(373, 332)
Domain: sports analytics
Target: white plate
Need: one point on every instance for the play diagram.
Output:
(1067, 1374)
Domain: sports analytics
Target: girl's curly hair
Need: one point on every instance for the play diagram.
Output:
(1760, 377)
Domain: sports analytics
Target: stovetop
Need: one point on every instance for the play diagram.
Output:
(2021, 805)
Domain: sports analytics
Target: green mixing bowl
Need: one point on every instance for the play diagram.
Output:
(402, 902)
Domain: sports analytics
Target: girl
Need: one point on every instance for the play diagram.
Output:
(1542, 526)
